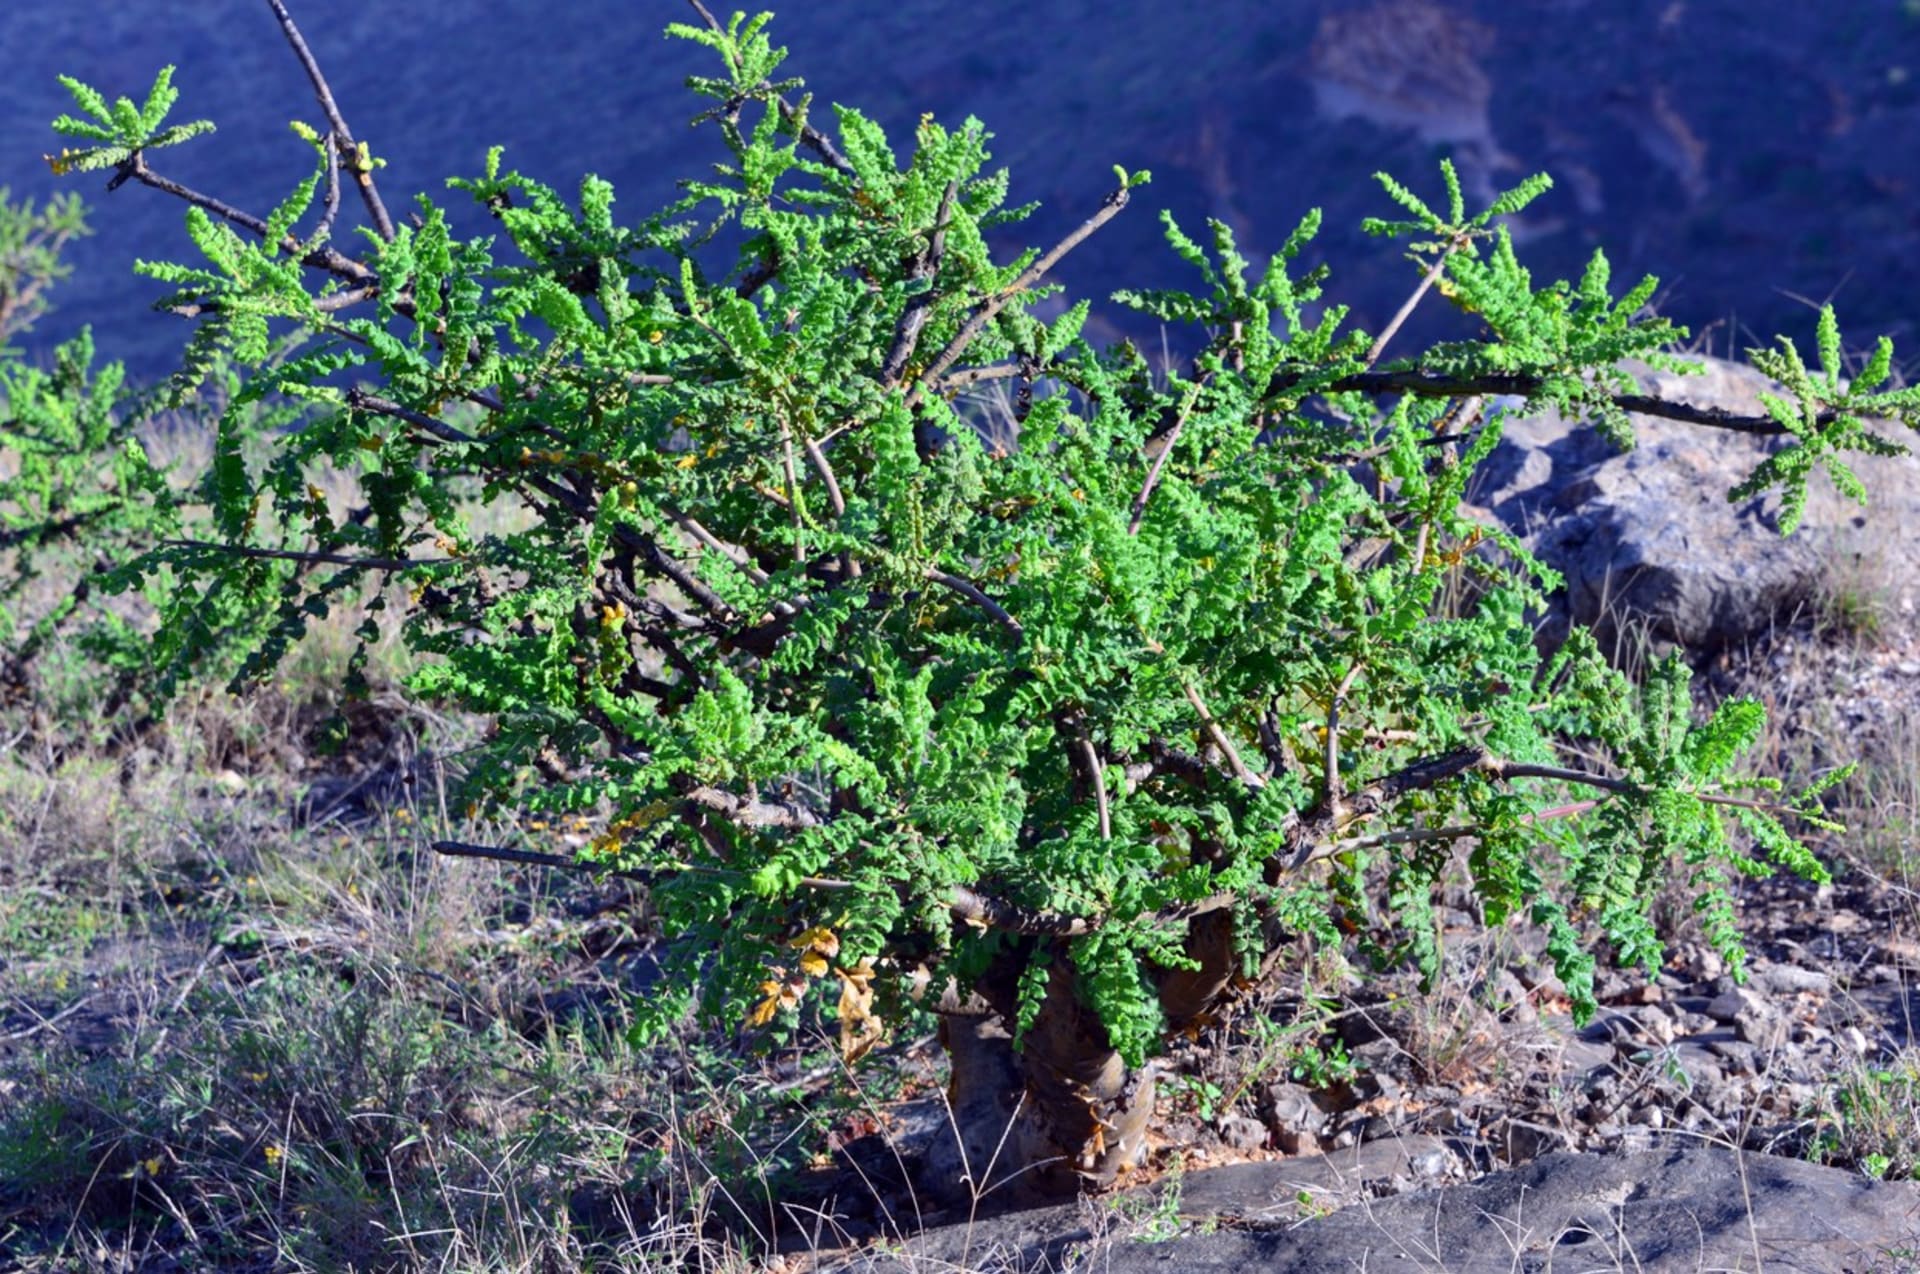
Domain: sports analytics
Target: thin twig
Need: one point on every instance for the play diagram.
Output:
(970, 591)
(321, 258)
(1220, 739)
(1425, 384)
(1406, 309)
(913, 315)
(46, 1023)
(559, 862)
(1332, 757)
(793, 492)
(1109, 208)
(1160, 460)
(324, 231)
(314, 559)
(732, 552)
(818, 459)
(360, 400)
(342, 135)
(1092, 757)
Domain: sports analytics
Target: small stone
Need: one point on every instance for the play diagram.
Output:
(1787, 979)
(1730, 1004)
(1432, 1164)
(1243, 1132)
(1291, 1108)
(1522, 1141)
(1751, 1017)
(1742, 1058)
(1614, 1028)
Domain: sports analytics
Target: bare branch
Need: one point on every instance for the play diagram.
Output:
(988, 912)
(818, 459)
(1091, 757)
(317, 559)
(360, 400)
(744, 811)
(342, 135)
(1332, 760)
(1441, 385)
(1220, 739)
(1406, 309)
(913, 316)
(321, 258)
(972, 593)
(1109, 208)
(1160, 460)
(560, 862)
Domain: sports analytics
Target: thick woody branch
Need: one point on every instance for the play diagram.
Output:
(757, 815)
(988, 912)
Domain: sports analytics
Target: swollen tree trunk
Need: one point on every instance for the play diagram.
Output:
(1063, 1112)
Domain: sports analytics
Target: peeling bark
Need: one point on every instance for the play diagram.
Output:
(1062, 1113)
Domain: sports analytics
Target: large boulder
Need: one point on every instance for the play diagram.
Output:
(1650, 547)
(1680, 1208)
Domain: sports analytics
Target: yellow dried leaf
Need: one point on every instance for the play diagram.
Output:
(813, 964)
(820, 939)
(775, 993)
(860, 1030)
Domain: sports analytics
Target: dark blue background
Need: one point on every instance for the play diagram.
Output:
(1756, 154)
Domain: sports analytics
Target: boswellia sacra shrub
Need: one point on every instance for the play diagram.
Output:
(1064, 723)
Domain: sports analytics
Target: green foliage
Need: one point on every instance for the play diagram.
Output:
(123, 129)
(1826, 417)
(30, 244)
(826, 656)
(81, 487)
(1869, 1118)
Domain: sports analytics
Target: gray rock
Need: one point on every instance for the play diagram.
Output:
(1688, 1207)
(1647, 540)
(1243, 1132)
(1789, 978)
(1752, 1017)
(1292, 1112)
(1504, 994)
(1521, 1141)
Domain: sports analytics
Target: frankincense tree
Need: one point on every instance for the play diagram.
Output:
(1069, 717)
